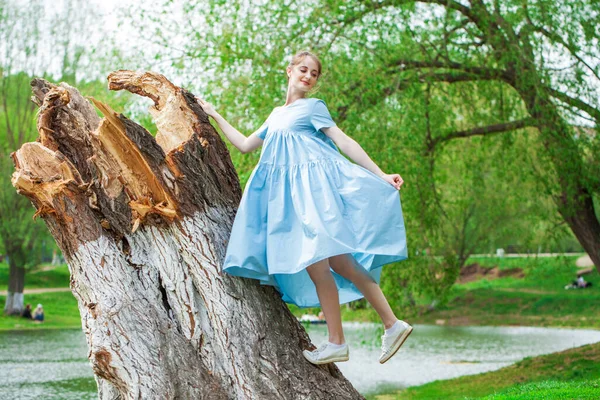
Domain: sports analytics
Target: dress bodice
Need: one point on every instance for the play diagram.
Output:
(292, 134)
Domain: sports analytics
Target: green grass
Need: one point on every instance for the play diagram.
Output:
(37, 278)
(550, 390)
(541, 273)
(538, 299)
(60, 311)
(76, 388)
(60, 308)
(571, 374)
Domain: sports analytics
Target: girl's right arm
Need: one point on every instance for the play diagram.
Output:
(243, 143)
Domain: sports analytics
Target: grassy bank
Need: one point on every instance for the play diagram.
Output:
(538, 298)
(60, 308)
(60, 311)
(42, 276)
(571, 374)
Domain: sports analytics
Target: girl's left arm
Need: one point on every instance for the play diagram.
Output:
(357, 154)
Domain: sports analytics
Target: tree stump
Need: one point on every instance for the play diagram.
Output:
(143, 224)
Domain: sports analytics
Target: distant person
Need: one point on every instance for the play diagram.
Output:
(38, 314)
(581, 283)
(27, 312)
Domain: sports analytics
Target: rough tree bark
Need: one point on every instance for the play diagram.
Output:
(16, 284)
(144, 224)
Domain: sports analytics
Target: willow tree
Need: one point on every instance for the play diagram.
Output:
(143, 223)
(20, 236)
(512, 67)
(500, 50)
(25, 38)
(424, 86)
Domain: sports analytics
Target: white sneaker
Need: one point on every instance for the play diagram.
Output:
(390, 344)
(325, 354)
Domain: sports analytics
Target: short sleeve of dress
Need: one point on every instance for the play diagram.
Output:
(262, 131)
(320, 117)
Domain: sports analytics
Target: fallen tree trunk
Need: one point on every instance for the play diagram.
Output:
(143, 225)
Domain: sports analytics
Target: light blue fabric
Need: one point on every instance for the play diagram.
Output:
(305, 202)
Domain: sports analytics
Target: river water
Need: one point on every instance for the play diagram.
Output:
(52, 364)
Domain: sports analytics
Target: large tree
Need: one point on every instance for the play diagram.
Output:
(540, 57)
(487, 67)
(21, 237)
(465, 99)
(24, 53)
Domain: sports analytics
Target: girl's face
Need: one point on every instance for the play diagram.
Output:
(303, 76)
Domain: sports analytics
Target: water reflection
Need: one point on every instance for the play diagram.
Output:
(53, 364)
(49, 364)
(434, 352)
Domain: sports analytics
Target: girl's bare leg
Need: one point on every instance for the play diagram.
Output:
(345, 265)
(327, 292)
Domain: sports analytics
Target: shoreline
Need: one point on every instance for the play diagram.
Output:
(35, 326)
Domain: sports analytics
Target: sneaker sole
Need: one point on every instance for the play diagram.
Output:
(396, 346)
(338, 359)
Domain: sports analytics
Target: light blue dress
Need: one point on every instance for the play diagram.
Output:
(305, 202)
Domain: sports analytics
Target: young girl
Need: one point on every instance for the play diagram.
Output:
(311, 223)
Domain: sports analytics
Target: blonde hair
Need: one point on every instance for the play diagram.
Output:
(298, 57)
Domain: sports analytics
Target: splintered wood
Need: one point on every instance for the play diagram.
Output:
(119, 166)
(42, 174)
(118, 159)
(168, 101)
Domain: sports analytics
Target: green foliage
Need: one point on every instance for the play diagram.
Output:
(409, 82)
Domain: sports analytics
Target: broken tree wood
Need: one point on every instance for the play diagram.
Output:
(143, 224)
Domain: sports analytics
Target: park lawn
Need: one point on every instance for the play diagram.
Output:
(42, 276)
(570, 374)
(60, 312)
(537, 299)
(541, 273)
(498, 307)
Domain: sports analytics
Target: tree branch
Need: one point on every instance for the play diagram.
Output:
(557, 38)
(449, 4)
(574, 102)
(486, 73)
(453, 77)
(482, 131)
(398, 85)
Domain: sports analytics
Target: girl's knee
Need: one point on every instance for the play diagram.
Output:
(318, 270)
